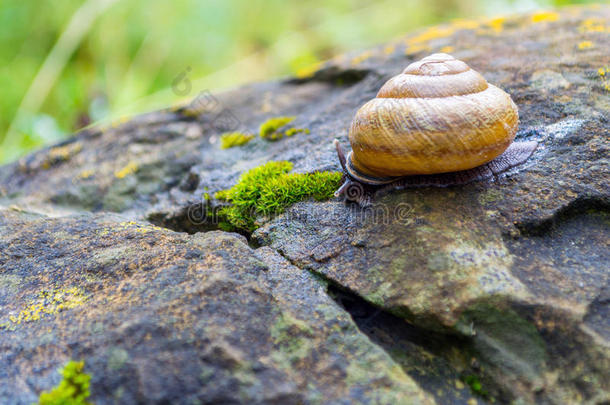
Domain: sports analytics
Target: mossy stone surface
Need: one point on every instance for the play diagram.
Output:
(499, 285)
(268, 189)
(170, 317)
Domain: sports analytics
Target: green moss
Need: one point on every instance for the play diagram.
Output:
(270, 126)
(293, 131)
(73, 388)
(232, 139)
(275, 128)
(269, 189)
(475, 385)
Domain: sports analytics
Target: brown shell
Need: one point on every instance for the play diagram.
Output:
(437, 116)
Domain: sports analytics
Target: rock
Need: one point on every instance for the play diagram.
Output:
(164, 317)
(497, 290)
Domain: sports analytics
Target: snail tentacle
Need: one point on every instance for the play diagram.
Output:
(340, 154)
(342, 189)
(352, 189)
(356, 192)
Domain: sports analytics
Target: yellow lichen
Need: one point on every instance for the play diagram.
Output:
(85, 174)
(447, 49)
(61, 154)
(389, 49)
(412, 49)
(138, 227)
(593, 25)
(128, 169)
(308, 71)
(543, 16)
(466, 24)
(65, 152)
(119, 121)
(431, 33)
(496, 24)
(585, 45)
(602, 74)
(48, 302)
(129, 226)
(361, 58)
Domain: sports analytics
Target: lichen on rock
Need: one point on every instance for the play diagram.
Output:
(495, 291)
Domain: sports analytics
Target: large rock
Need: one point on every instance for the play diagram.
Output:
(164, 317)
(500, 285)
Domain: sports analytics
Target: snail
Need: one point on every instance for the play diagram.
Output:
(438, 123)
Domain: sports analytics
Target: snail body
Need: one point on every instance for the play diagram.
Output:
(438, 116)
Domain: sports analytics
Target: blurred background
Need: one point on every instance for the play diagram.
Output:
(69, 63)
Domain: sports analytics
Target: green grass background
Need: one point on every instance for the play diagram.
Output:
(127, 55)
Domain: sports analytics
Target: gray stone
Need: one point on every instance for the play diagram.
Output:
(493, 291)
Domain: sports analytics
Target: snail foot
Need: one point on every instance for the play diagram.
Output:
(360, 188)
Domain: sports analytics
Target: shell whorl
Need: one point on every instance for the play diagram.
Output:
(437, 116)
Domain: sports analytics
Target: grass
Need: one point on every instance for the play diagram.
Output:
(132, 53)
(269, 189)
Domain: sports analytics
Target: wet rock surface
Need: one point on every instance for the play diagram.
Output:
(495, 291)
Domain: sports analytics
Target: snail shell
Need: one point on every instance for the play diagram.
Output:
(437, 116)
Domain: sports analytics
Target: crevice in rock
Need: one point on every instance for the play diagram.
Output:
(334, 75)
(191, 219)
(580, 206)
(598, 313)
(441, 364)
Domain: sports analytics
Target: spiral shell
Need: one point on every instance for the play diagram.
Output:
(437, 116)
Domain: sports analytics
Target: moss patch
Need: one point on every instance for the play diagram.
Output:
(73, 388)
(277, 128)
(273, 129)
(232, 139)
(475, 386)
(268, 189)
